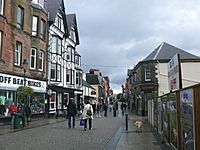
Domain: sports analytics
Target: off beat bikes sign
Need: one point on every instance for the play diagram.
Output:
(10, 82)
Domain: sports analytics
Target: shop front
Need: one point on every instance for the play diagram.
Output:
(8, 94)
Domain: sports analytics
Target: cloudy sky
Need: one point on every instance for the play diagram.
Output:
(116, 34)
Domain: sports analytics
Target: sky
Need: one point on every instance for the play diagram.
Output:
(116, 34)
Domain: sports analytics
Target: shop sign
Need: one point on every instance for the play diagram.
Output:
(173, 73)
(13, 82)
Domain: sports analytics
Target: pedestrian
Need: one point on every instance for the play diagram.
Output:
(21, 110)
(98, 109)
(105, 108)
(12, 110)
(87, 115)
(114, 108)
(71, 113)
(122, 108)
(28, 113)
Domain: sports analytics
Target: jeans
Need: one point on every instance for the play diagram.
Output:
(90, 123)
(69, 121)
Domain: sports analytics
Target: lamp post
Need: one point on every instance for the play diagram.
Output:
(25, 64)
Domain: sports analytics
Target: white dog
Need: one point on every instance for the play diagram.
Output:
(138, 125)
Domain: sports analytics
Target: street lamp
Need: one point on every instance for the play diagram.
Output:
(25, 64)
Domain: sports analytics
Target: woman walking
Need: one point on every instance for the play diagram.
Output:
(87, 115)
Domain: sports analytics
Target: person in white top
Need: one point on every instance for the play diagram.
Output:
(87, 115)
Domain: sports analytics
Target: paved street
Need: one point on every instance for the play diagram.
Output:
(107, 133)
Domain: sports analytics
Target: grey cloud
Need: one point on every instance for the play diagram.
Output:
(121, 33)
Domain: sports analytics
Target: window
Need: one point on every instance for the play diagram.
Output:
(73, 35)
(1, 42)
(1, 7)
(59, 23)
(77, 60)
(41, 60)
(72, 77)
(18, 51)
(33, 58)
(72, 55)
(53, 71)
(40, 2)
(59, 46)
(77, 78)
(34, 25)
(69, 54)
(68, 76)
(20, 17)
(42, 29)
(58, 72)
(56, 45)
(147, 74)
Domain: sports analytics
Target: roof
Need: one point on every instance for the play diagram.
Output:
(166, 51)
(52, 8)
(87, 84)
(71, 22)
(92, 79)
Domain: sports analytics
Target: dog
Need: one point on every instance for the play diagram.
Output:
(138, 125)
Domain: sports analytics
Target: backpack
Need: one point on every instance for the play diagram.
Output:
(89, 112)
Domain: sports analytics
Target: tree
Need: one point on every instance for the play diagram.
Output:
(23, 93)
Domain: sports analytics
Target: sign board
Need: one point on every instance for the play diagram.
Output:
(173, 73)
(10, 82)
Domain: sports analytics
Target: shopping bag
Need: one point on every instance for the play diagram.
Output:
(82, 122)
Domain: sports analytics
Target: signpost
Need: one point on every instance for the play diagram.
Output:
(174, 73)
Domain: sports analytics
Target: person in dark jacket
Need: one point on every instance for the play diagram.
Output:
(28, 113)
(71, 112)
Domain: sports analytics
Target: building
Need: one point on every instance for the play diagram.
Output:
(149, 78)
(65, 73)
(95, 79)
(23, 37)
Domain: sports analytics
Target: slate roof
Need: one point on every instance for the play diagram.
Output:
(71, 22)
(87, 84)
(52, 8)
(92, 79)
(166, 51)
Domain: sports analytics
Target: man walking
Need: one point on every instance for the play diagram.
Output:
(71, 112)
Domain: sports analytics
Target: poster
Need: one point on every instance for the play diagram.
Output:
(186, 99)
(172, 119)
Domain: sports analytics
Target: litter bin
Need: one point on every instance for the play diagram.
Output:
(17, 120)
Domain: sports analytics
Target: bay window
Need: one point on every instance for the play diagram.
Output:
(41, 60)
(34, 25)
(20, 17)
(1, 7)
(33, 58)
(18, 51)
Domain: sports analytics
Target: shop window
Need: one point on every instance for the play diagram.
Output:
(34, 25)
(18, 51)
(1, 7)
(37, 104)
(52, 101)
(20, 17)
(33, 58)
(66, 99)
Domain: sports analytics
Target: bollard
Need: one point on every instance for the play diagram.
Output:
(126, 119)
